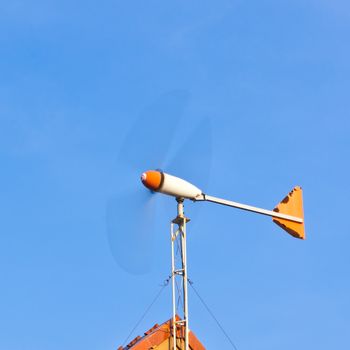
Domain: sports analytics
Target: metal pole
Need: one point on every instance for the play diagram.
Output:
(173, 237)
(184, 276)
(181, 271)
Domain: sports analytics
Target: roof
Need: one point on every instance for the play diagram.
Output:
(160, 337)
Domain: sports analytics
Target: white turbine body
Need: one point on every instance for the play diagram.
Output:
(174, 186)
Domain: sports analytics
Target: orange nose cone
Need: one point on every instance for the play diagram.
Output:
(152, 179)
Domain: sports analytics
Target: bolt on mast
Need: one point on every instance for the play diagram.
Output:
(179, 272)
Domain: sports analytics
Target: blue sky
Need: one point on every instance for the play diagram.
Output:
(245, 98)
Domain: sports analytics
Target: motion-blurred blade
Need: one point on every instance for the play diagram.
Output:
(193, 160)
(130, 224)
(148, 141)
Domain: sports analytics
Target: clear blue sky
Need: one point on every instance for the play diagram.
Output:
(256, 91)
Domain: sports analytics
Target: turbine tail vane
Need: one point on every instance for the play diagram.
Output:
(292, 204)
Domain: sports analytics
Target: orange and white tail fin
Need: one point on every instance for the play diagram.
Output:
(292, 205)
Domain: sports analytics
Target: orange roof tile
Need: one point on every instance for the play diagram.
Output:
(157, 335)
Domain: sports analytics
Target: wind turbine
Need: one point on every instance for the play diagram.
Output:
(288, 214)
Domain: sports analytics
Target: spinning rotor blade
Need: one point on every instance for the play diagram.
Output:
(131, 210)
(149, 140)
(132, 250)
(193, 161)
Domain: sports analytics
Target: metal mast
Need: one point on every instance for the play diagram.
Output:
(179, 274)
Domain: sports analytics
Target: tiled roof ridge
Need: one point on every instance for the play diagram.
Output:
(156, 335)
(156, 327)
